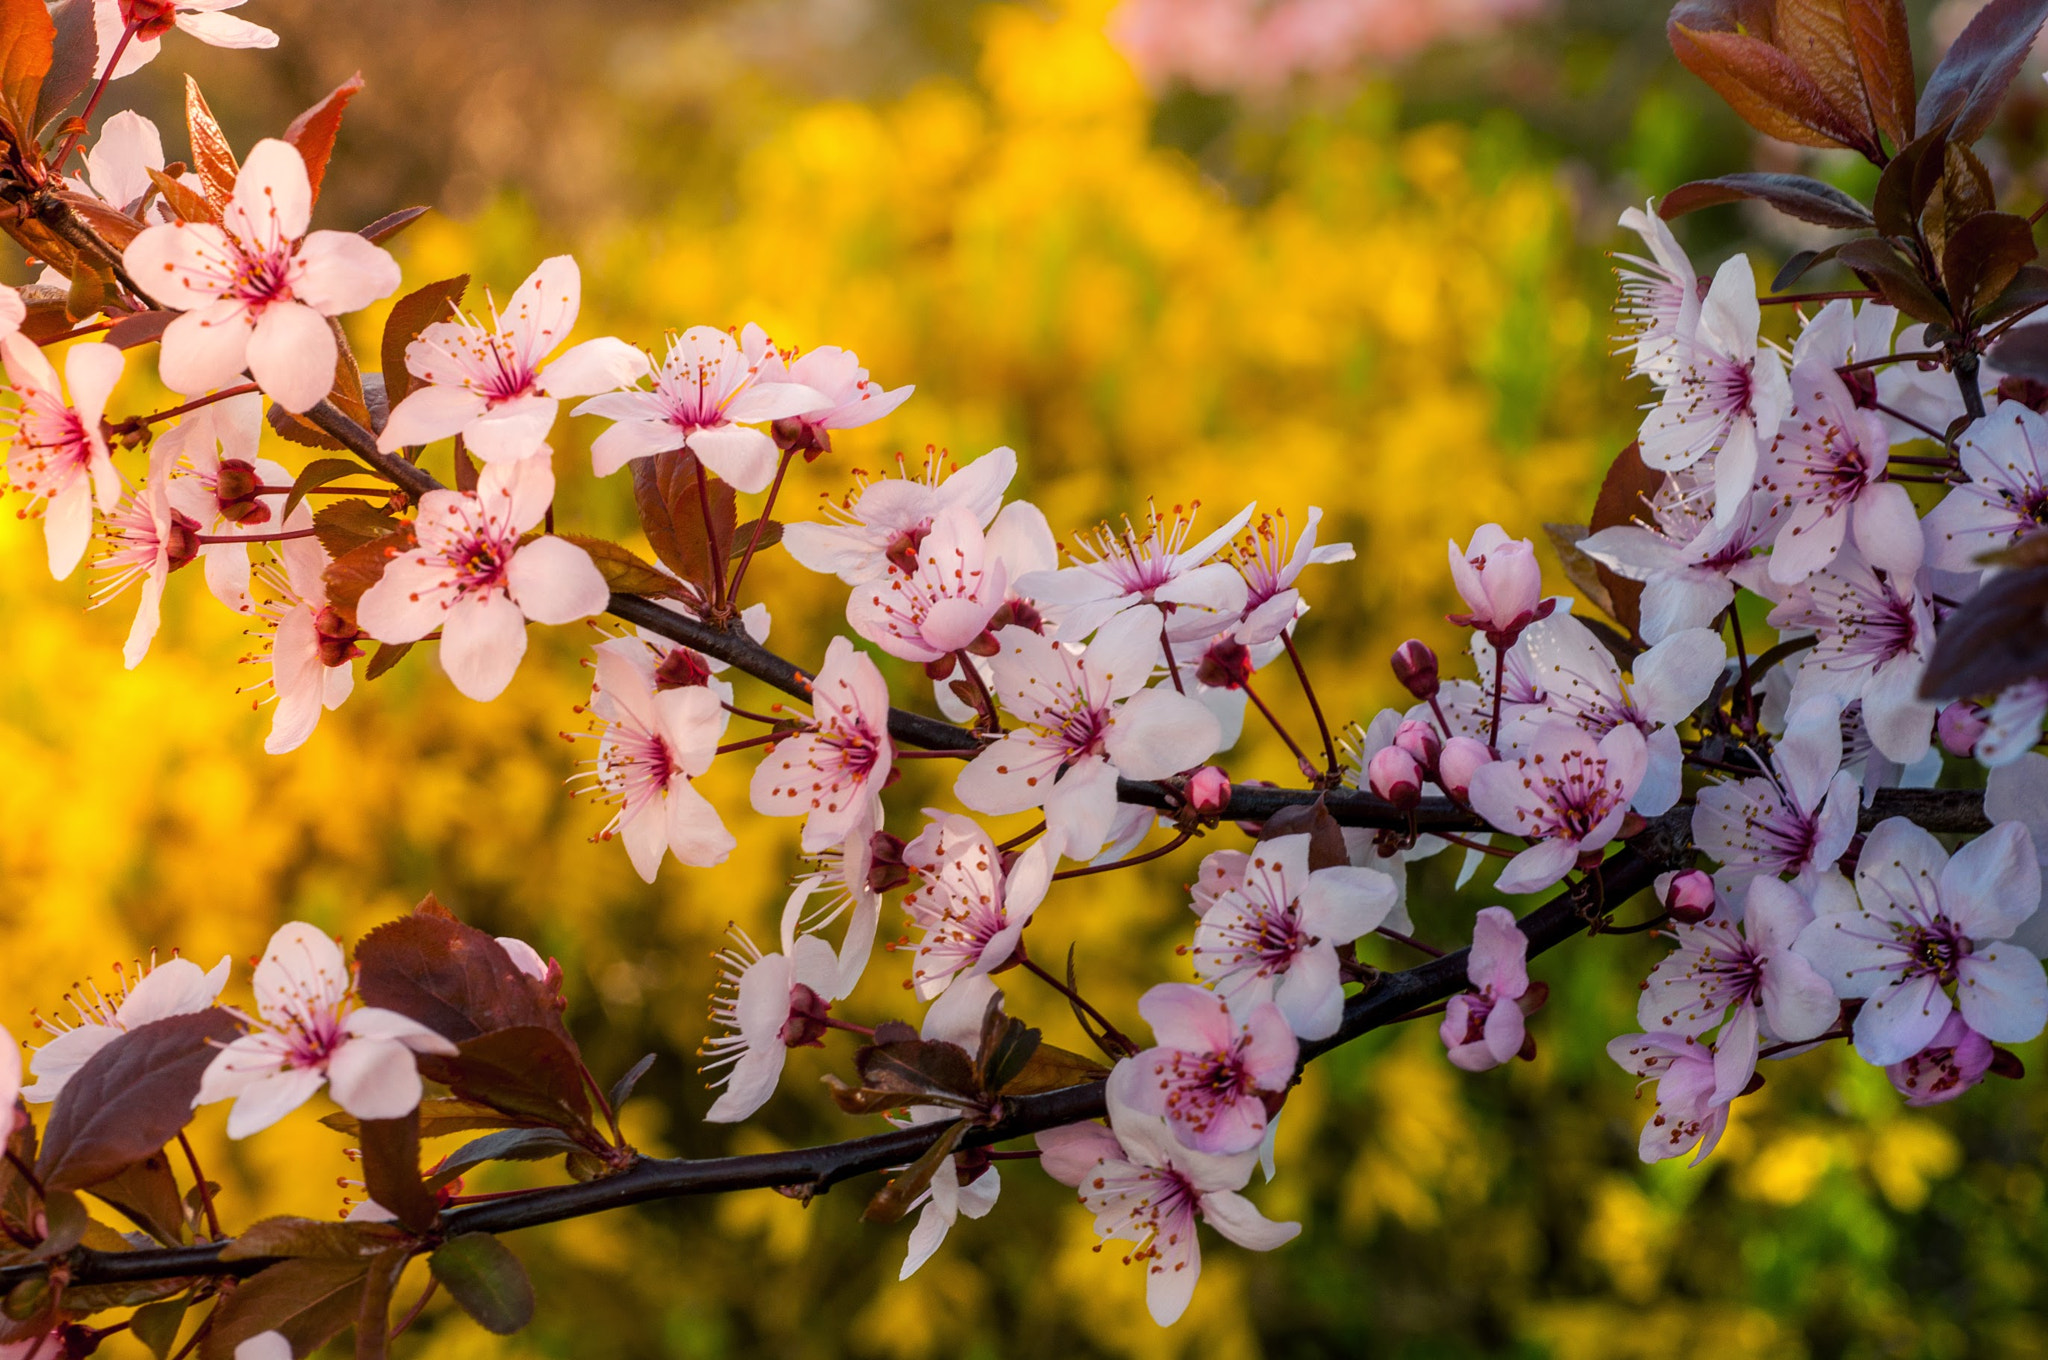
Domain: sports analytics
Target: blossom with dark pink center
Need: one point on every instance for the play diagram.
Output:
(494, 384)
(152, 19)
(1873, 632)
(474, 579)
(2005, 456)
(1686, 1113)
(769, 1004)
(1659, 297)
(1271, 929)
(938, 599)
(832, 771)
(150, 534)
(1823, 479)
(708, 395)
(852, 399)
(1215, 1065)
(1689, 565)
(1798, 819)
(1272, 600)
(1119, 569)
(309, 1032)
(883, 520)
(1928, 923)
(256, 289)
(60, 456)
(1146, 1188)
(310, 643)
(971, 908)
(1564, 792)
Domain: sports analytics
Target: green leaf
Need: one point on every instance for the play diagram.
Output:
(156, 1326)
(318, 473)
(313, 1239)
(410, 315)
(486, 1279)
(130, 1098)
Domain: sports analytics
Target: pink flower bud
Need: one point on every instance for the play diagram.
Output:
(1420, 740)
(1208, 790)
(1961, 725)
(1415, 668)
(1500, 582)
(1396, 777)
(1689, 896)
(1461, 759)
(1226, 665)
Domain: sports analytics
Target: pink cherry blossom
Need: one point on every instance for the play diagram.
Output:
(1582, 683)
(1660, 297)
(942, 603)
(1726, 395)
(1147, 1189)
(832, 771)
(971, 909)
(708, 395)
(1119, 569)
(473, 579)
(149, 535)
(1272, 600)
(1500, 582)
(651, 743)
(60, 456)
(494, 384)
(1459, 763)
(1686, 1112)
(1744, 978)
(311, 644)
(2013, 726)
(1689, 565)
(1798, 820)
(152, 19)
(309, 1031)
(174, 987)
(1214, 1066)
(1564, 792)
(844, 877)
(1927, 922)
(852, 399)
(118, 165)
(256, 290)
(275, 1345)
(884, 520)
(2005, 456)
(1823, 478)
(769, 1003)
(1083, 720)
(1271, 929)
(1483, 1028)
(1873, 633)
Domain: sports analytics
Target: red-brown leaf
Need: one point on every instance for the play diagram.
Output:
(28, 39)
(1763, 84)
(528, 1072)
(410, 315)
(452, 978)
(313, 132)
(1884, 56)
(1809, 200)
(130, 1098)
(391, 1170)
(212, 157)
(1999, 637)
(1982, 257)
(1969, 83)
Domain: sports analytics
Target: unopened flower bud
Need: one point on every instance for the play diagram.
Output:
(806, 1025)
(1501, 583)
(886, 868)
(1395, 776)
(680, 669)
(1420, 740)
(1961, 726)
(1208, 790)
(1226, 665)
(793, 434)
(181, 541)
(1461, 759)
(1415, 667)
(337, 637)
(1689, 896)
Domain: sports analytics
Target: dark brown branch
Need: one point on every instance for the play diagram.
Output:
(1390, 997)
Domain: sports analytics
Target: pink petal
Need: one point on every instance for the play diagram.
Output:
(408, 602)
(209, 348)
(273, 199)
(292, 354)
(338, 271)
(263, 1103)
(595, 366)
(554, 581)
(743, 456)
(184, 265)
(1187, 1017)
(482, 639)
(1160, 732)
(630, 439)
(429, 413)
(542, 311)
(512, 430)
(225, 30)
(375, 1078)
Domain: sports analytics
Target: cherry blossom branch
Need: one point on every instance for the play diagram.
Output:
(1390, 997)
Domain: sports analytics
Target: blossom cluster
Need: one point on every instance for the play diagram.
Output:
(1866, 500)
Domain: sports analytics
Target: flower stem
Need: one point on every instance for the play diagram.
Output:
(993, 723)
(1481, 846)
(209, 399)
(1109, 1031)
(1500, 666)
(205, 1191)
(205, 539)
(1308, 691)
(1410, 941)
(1307, 766)
(1182, 839)
(732, 591)
(85, 118)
